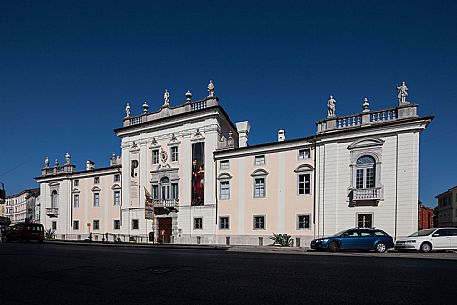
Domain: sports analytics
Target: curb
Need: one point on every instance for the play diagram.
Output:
(133, 245)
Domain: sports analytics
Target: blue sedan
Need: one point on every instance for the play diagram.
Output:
(355, 239)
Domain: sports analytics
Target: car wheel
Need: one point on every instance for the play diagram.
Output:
(426, 247)
(381, 247)
(333, 247)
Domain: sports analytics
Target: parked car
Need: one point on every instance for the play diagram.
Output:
(25, 232)
(355, 239)
(428, 240)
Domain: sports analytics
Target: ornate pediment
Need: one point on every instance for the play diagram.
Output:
(304, 168)
(259, 172)
(366, 142)
(224, 176)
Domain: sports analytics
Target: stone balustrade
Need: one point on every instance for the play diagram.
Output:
(166, 203)
(67, 168)
(171, 111)
(366, 118)
(367, 194)
(52, 212)
(349, 121)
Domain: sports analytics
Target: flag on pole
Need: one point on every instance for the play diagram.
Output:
(148, 195)
(148, 205)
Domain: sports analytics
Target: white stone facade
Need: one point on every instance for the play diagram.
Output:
(359, 170)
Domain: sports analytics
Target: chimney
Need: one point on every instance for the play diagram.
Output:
(243, 132)
(281, 135)
(90, 165)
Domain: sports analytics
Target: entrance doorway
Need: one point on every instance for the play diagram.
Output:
(164, 230)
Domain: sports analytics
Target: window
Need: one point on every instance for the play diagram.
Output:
(96, 224)
(174, 153)
(96, 180)
(304, 154)
(365, 173)
(174, 191)
(224, 223)
(165, 188)
(117, 224)
(224, 164)
(365, 221)
(224, 190)
(155, 156)
(117, 198)
(75, 224)
(302, 222)
(54, 225)
(259, 187)
(155, 192)
(198, 223)
(76, 182)
(304, 184)
(259, 160)
(135, 224)
(76, 201)
(259, 222)
(54, 198)
(117, 178)
(96, 200)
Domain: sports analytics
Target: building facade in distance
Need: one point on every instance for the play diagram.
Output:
(21, 207)
(425, 220)
(207, 185)
(447, 208)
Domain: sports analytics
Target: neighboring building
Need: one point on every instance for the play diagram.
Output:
(447, 208)
(2, 210)
(76, 204)
(208, 185)
(20, 207)
(425, 219)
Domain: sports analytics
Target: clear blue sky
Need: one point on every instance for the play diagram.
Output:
(67, 69)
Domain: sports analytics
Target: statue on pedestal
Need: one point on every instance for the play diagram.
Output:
(210, 89)
(331, 107)
(46, 162)
(166, 98)
(402, 93)
(67, 158)
(127, 110)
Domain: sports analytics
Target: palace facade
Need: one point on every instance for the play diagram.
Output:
(206, 185)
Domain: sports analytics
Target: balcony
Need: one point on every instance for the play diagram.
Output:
(166, 203)
(52, 212)
(367, 194)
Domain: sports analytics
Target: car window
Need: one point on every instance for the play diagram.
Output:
(379, 233)
(453, 232)
(422, 233)
(350, 233)
(441, 232)
(365, 232)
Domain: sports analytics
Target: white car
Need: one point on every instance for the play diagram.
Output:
(428, 240)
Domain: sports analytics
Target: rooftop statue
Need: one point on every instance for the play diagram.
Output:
(127, 110)
(331, 107)
(210, 88)
(402, 93)
(67, 158)
(166, 98)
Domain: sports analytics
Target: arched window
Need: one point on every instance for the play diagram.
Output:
(165, 187)
(54, 199)
(366, 172)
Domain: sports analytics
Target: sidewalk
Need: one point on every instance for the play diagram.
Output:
(232, 248)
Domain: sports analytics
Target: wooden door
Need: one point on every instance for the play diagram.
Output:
(164, 230)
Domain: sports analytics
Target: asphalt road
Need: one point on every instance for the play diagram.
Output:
(33, 273)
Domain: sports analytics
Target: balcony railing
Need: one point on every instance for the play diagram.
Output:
(52, 212)
(166, 203)
(367, 194)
